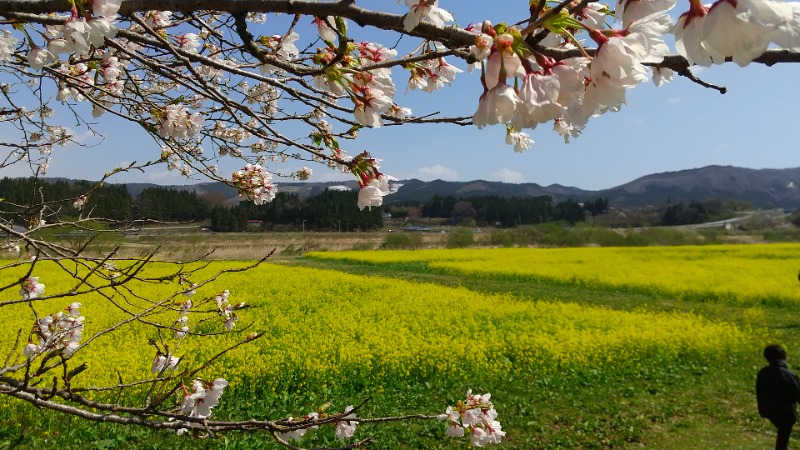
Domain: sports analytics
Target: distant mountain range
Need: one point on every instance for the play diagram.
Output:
(763, 188)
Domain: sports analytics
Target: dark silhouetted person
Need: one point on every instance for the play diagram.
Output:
(777, 392)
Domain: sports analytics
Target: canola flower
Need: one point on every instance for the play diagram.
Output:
(324, 327)
(740, 274)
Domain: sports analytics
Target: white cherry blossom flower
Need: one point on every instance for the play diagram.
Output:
(97, 30)
(30, 350)
(31, 288)
(106, 8)
(478, 437)
(593, 15)
(725, 34)
(73, 309)
(39, 57)
(630, 11)
(503, 62)
(8, 44)
(521, 141)
(181, 332)
(477, 415)
(326, 30)
(375, 52)
(370, 106)
(372, 194)
(425, 10)
(158, 19)
(230, 322)
(662, 75)
(482, 46)
(255, 184)
(496, 106)
(189, 42)
(344, 428)
(398, 112)
(79, 202)
(689, 37)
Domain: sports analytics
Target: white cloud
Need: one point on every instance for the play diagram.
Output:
(84, 137)
(508, 176)
(165, 177)
(674, 101)
(437, 172)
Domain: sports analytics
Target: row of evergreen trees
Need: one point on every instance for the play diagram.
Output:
(330, 210)
(110, 201)
(24, 198)
(510, 211)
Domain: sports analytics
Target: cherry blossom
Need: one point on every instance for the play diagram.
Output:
(520, 141)
(369, 107)
(398, 112)
(179, 123)
(326, 28)
(742, 30)
(303, 173)
(30, 350)
(40, 57)
(482, 47)
(475, 415)
(254, 183)
(629, 11)
(372, 193)
(106, 8)
(181, 332)
(593, 15)
(189, 42)
(73, 308)
(31, 288)
(503, 62)
(164, 362)
(689, 36)
(497, 105)
(345, 428)
(8, 44)
(202, 398)
(425, 10)
(56, 332)
(79, 202)
(158, 19)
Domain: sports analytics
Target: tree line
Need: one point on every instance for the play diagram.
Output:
(332, 210)
(25, 196)
(508, 212)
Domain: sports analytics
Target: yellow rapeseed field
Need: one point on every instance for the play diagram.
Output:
(745, 274)
(323, 327)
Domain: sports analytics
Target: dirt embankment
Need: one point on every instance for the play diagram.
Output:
(190, 245)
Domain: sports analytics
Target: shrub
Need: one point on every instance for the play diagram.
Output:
(502, 238)
(397, 241)
(459, 238)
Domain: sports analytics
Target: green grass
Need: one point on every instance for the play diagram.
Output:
(688, 404)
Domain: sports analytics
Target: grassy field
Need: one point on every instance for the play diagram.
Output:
(623, 368)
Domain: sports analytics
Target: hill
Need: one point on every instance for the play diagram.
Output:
(764, 188)
(761, 188)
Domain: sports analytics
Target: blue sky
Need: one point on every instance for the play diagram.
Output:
(677, 126)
